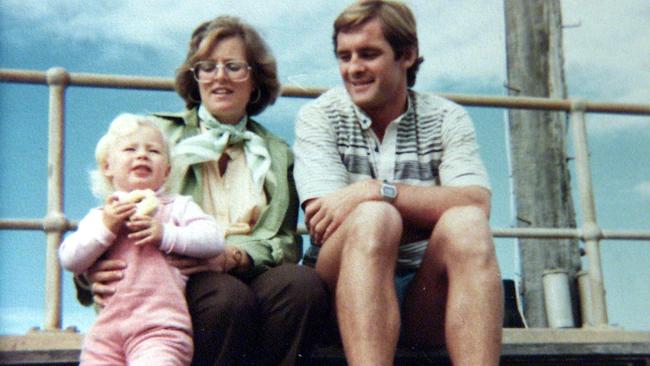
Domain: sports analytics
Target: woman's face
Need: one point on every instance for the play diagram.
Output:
(224, 98)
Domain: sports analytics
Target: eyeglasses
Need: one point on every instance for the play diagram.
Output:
(206, 71)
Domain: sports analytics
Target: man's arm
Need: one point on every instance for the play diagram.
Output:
(462, 176)
(323, 215)
(420, 207)
(319, 172)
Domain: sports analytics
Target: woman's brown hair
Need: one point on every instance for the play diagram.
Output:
(258, 55)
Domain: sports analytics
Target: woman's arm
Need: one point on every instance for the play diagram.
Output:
(283, 247)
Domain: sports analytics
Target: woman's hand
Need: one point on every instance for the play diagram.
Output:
(232, 259)
(237, 260)
(189, 266)
(103, 276)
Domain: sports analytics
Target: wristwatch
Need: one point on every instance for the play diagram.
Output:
(388, 191)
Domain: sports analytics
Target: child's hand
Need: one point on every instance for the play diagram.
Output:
(115, 213)
(145, 229)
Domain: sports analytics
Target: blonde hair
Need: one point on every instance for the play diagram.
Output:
(123, 125)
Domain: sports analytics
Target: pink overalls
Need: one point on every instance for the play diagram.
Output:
(146, 321)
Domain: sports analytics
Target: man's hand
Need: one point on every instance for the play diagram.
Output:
(145, 230)
(103, 276)
(232, 259)
(115, 213)
(325, 214)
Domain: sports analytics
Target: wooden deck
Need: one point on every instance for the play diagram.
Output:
(529, 347)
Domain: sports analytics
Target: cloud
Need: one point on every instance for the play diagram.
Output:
(462, 41)
(643, 189)
(607, 57)
(610, 125)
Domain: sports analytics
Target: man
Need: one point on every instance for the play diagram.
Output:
(397, 199)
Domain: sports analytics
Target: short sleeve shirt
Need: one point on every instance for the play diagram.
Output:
(432, 143)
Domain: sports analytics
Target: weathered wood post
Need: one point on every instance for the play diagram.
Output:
(541, 179)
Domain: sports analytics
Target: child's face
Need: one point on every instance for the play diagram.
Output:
(138, 161)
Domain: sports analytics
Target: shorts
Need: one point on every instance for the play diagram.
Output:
(403, 278)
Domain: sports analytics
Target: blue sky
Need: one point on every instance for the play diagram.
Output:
(607, 58)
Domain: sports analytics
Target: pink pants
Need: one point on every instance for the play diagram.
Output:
(157, 347)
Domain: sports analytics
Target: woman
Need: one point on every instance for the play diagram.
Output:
(251, 305)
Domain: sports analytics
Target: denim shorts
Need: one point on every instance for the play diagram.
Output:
(403, 278)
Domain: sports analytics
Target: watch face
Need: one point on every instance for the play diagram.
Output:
(388, 191)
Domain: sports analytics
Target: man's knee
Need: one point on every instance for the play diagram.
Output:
(464, 233)
(375, 226)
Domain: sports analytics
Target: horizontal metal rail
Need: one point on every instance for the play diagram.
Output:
(167, 84)
(529, 233)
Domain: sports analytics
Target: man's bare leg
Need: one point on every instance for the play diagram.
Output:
(459, 283)
(358, 262)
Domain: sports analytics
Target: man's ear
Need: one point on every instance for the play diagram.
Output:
(409, 57)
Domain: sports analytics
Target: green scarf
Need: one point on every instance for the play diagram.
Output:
(209, 145)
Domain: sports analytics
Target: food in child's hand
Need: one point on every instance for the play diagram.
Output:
(145, 200)
(238, 228)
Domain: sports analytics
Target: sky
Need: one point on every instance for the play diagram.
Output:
(607, 58)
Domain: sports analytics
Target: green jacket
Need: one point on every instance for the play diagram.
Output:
(273, 240)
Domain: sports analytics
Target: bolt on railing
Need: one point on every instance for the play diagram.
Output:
(55, 224)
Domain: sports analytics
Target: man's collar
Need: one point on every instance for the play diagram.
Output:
(365, 121)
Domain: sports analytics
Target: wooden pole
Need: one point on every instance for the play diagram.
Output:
(537, 139)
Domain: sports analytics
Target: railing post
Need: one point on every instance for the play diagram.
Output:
(591, 231)
(55, 223)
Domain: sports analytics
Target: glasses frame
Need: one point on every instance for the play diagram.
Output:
(220, 65)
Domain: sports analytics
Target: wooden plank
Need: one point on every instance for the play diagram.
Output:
(520, 347)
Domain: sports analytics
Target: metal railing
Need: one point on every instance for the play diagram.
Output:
(55, 223)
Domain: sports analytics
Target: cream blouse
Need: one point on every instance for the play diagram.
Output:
(231, 198)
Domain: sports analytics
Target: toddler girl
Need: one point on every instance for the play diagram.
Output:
(146, 321)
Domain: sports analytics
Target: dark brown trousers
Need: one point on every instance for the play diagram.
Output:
(269, 320)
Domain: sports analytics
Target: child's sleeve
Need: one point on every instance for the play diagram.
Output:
(81, 249)
(191, 232)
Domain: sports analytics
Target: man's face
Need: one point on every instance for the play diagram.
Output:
(367, 64)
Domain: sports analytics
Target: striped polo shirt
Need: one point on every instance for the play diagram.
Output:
(432, 143)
